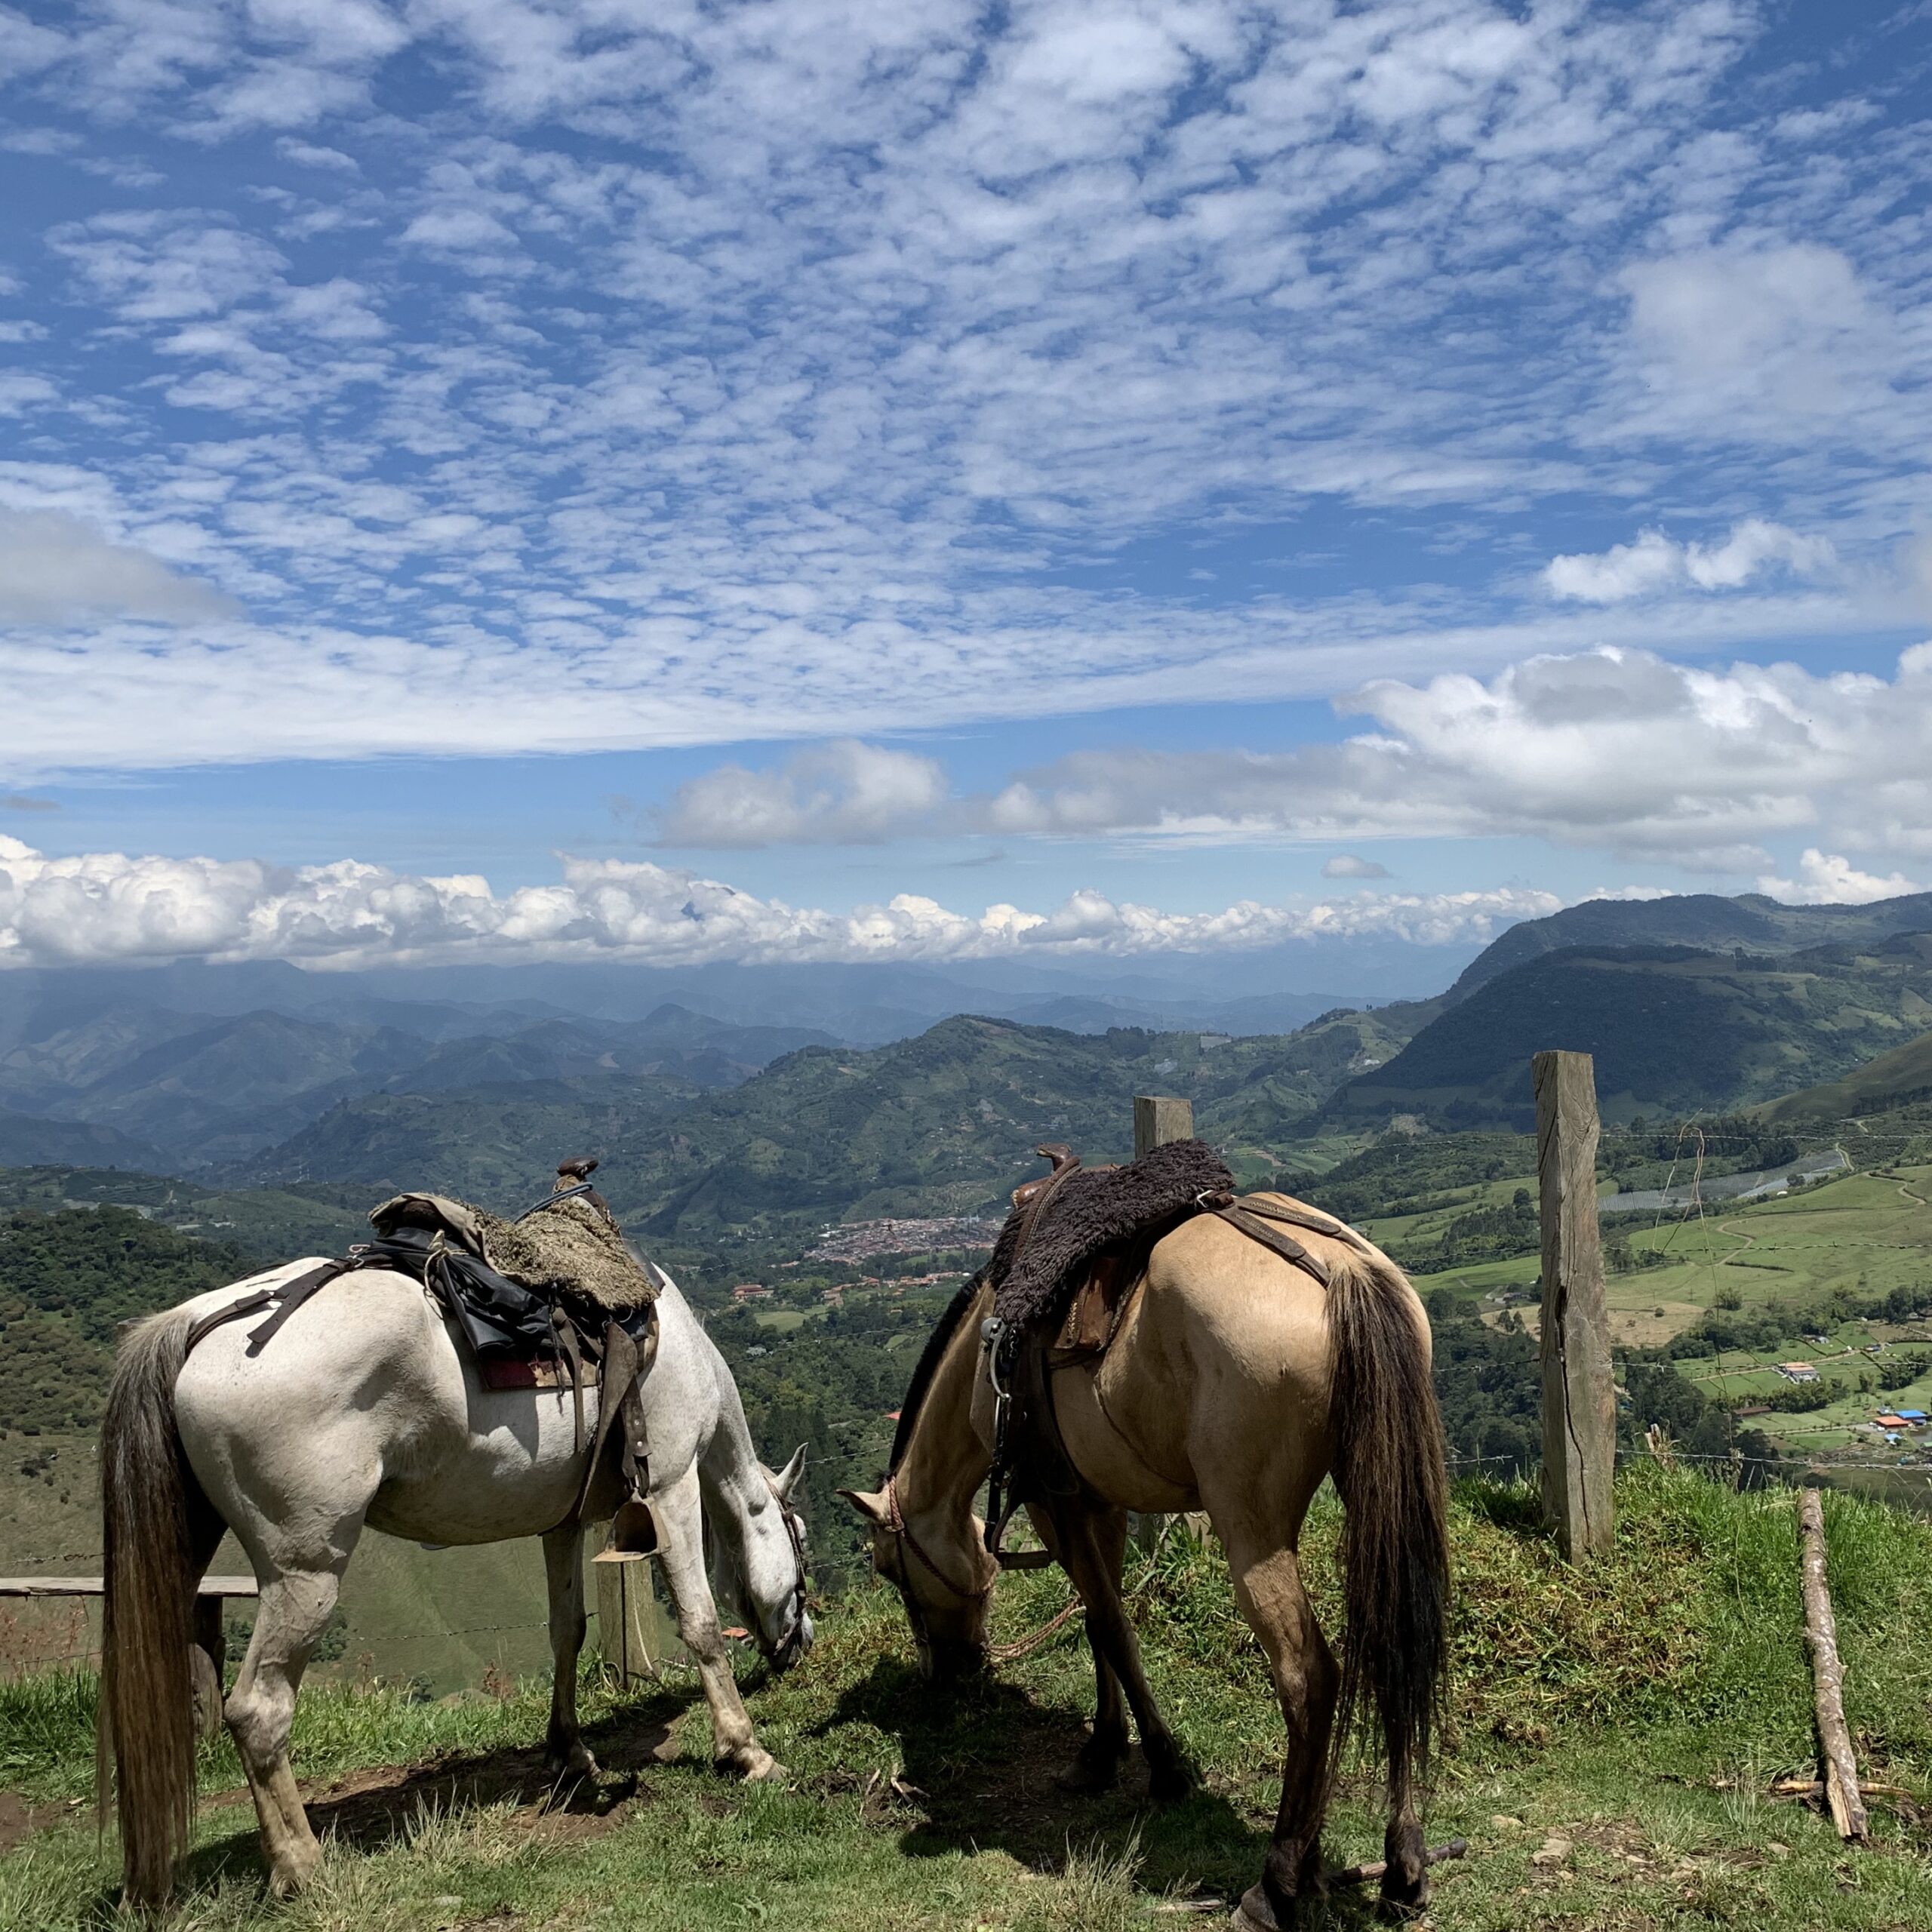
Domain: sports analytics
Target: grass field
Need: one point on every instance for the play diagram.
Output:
(1863, 1236)
(1614, 1732)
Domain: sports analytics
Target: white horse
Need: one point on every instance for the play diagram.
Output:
(363, 1411)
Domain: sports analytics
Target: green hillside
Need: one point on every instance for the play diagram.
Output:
(946, 1123)
(1900, 1078)
(1670, 1028)
(943, 1123)
(1615, 1739)
(497, 1143)
(1748, 923)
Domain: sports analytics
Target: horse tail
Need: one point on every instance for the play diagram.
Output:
(1389, 1469)
(151, 1507)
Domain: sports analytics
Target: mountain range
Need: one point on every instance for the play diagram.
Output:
(271, 1076)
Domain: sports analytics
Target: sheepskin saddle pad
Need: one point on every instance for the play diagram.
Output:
(1060, 1226)
(568, 1248)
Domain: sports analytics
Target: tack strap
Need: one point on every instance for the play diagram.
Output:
(1275, 1239)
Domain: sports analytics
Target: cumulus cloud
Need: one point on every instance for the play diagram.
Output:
(1826, 878)
(1613, 748)
(845, 792)
(104, 907)
(55, 569)
(1655, 563)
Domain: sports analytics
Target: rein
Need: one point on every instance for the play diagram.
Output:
(895, 1524)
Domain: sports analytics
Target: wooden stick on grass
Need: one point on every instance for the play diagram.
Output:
(1821, 1637)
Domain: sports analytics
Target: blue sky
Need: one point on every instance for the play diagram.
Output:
(488, 479)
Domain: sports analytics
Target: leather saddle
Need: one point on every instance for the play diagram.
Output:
(518, 1335)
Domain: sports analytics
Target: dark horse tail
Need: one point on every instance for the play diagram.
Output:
(151, 1508)
(1389, 1469)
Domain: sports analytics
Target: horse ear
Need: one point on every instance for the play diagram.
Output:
(787, 1480)
(870, 1504)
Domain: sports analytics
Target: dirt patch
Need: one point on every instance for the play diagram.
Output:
(19, 1819)
(375, 1806)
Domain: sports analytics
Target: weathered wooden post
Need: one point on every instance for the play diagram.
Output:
(632, 1632)
(1158, 1118)
(1579, 1402)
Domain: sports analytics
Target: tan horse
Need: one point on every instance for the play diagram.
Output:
(1234, 1383)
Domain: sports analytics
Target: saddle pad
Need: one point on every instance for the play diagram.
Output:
(566, 1248)
(1037, 1264)
(503, 1372)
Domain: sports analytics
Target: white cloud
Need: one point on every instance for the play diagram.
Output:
(57, 569)
(1348, 865)
(1825, 878)
(817, 354)
(842, 793)
(1656, 563)
(1617, 749)
(105, 907)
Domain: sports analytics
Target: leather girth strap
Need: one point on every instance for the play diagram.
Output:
(1253, 1217)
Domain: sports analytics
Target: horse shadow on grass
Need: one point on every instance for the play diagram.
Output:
(981, 1765)
(371, 1809)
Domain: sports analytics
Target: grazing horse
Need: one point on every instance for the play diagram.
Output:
(1234, 1382)
(364, 1412)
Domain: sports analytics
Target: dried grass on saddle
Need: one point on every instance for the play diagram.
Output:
(568, 1248)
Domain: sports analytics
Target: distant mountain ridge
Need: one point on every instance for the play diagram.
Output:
(1705, 921)
(1670, 1027)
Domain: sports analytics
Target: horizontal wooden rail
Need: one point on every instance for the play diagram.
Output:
(92, 1586)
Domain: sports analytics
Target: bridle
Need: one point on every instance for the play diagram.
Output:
(896, 1526)
(783, 1652)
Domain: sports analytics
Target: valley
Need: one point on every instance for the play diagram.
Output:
(819, 1200)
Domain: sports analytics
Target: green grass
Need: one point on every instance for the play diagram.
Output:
(1618, 1724)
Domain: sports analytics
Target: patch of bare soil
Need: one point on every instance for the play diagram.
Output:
(374, 1807)
(19, 1819)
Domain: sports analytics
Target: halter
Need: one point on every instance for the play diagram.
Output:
(795, 1533)
(896, 1526)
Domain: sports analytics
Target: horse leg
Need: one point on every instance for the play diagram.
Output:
(735, 1747)
(563, 1749)
(293, 1606)
(1097, 1766)
(1268, 1586)
(1092, 1544)
(1405, 1882)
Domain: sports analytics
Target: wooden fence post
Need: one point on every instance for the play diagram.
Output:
(1158, 1119)
(1579, 1402)
(633, 1633)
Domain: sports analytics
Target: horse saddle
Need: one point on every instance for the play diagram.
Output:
(553, 1299)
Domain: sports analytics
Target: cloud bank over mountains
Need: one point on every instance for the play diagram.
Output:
(107, 908)
(1617, 751)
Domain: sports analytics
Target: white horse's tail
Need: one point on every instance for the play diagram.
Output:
(151, 1509)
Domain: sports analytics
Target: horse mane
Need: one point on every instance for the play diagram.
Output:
(936, 1344)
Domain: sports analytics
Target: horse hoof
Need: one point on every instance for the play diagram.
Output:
(575, 1762)
(293, 1875)
(1254, 1914)
(755, 1767)
(1090, 1774)
(1170, 1784)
